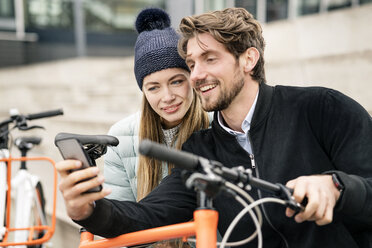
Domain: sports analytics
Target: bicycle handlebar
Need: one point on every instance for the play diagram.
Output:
(45, 114)
(21, 118)
(183, 160)
(189, 161)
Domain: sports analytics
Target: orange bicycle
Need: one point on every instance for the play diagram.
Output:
(213, 179)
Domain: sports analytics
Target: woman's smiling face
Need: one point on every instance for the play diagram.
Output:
(169, 93)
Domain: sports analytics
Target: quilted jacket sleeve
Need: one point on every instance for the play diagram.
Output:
(121, 162)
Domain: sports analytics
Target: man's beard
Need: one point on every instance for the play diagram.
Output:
(226, 95)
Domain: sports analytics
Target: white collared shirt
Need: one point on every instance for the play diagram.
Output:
(242, 138)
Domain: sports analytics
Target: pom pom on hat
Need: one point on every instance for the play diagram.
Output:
(152, 18)
(156, 45)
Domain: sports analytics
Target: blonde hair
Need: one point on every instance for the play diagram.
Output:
(150, 171)
(234, 27)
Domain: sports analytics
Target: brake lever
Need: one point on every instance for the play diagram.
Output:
(26, 128)
(286, 194)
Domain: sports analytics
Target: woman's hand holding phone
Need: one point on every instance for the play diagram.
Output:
(74, 183)
(72, 149)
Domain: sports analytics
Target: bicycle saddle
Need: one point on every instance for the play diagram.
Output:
(95, 145)
(89, 139)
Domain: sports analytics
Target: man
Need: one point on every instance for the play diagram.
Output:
(315, 140)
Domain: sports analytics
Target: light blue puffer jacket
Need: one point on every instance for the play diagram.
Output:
(120, 169)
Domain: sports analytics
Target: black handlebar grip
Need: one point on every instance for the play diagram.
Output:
(180, 159)
(44, 114)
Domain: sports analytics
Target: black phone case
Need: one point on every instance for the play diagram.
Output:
(72, 149)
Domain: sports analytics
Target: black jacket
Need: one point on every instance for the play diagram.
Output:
(295, 131)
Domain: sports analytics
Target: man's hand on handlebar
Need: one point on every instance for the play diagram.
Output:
(321, 195)
(72, 185)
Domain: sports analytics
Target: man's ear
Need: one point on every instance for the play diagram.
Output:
(249, 59)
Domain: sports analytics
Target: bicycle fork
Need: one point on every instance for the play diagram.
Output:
(24, 183)
(3, 188)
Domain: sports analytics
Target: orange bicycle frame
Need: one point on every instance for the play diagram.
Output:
(204, 227)
(49, 228)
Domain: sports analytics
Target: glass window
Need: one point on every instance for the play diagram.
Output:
(276, 10)
(49, 14)
(212, 5)
(115, 15)
(202, 6)
(250, 5)
(6, 8)
(100, 15)
(338, 4)
(306, 7)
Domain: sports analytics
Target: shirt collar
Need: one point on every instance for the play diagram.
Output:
(246, 125)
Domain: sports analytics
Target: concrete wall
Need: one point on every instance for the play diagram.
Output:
(332, 50)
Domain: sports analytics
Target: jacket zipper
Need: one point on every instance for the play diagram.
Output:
(253, 164)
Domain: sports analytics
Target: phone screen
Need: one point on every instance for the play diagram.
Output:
(72, 149)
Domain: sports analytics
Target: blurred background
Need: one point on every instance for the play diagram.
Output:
(78, 55)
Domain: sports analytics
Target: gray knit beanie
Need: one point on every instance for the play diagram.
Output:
(156, 45)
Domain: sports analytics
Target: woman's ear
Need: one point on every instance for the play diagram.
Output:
(249, 59)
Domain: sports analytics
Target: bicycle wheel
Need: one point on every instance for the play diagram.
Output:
(3, 195)
(3, 225)
(38, 216)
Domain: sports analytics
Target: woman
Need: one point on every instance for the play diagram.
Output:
(171, 111)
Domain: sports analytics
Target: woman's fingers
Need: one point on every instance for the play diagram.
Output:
(82, 186)
(70, 179)
(65, 166)
(74, 184)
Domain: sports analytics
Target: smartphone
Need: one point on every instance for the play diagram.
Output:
(72, 149)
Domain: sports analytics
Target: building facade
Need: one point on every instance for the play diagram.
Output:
(43, 30)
